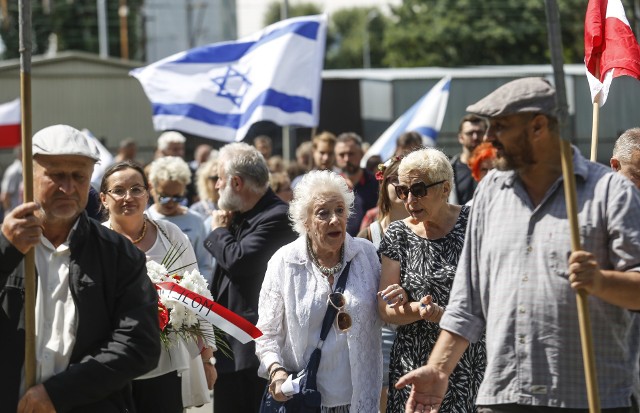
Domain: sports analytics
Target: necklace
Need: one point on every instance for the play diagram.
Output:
(325, 270)
(144, 231)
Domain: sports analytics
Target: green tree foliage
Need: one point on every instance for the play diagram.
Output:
(488, 32)
(347, 38)
(75, 23)
(300, 9)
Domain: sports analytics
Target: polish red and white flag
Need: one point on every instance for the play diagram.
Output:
(10, 124)
(610, 47)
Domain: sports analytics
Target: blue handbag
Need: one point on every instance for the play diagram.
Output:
(308, 400)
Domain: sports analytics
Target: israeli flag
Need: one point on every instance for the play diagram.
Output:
(424, 117)
(218, 91)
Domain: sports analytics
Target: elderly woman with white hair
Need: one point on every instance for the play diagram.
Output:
(419, 258)
(169, 177)
(300, 283)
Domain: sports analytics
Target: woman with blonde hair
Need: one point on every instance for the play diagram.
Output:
(419, 258)
(206, 178)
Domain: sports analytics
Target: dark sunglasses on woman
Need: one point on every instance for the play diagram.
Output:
(418, 190)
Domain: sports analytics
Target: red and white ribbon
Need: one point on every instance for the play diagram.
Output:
(223, 318)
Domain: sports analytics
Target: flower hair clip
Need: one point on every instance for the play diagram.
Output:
(383, 166)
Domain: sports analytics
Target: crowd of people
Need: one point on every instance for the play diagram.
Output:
(453, 280)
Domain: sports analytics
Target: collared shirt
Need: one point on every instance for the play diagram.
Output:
(56, 319)
(512, 279)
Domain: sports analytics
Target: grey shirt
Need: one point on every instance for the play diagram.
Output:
(512, 279)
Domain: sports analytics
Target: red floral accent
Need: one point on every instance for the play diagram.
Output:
(163, 316)
(379, 176)
(176, 277)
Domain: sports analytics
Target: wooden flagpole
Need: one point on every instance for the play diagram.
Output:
(24, 7)
(588, 357)
(595, 124)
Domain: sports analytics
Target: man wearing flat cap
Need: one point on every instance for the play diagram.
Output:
(517, 277)
(96, 309)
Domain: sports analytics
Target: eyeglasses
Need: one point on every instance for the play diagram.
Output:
(418, 190)
(343, 319)
(164, 199)
(213, 178)
(134, 191)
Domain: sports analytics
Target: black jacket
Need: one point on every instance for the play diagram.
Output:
(117, 335)
(242, 253)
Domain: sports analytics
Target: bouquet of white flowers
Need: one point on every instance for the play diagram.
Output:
(173, 316)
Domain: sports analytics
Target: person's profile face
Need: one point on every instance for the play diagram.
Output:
(61, 185)
(632, 169)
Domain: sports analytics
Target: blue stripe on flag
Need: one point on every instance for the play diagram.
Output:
(233, 51)
(269, 97)
(428, 132)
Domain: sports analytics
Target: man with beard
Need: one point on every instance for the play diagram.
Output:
(249, 227)
(349, 153)
(470, 133)
(517, 276)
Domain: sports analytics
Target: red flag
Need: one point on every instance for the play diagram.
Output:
(610, 47)
(10, 124)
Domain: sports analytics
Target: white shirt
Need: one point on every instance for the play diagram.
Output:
(56, 319)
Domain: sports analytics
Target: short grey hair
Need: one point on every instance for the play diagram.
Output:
(430, 162)
(627, 144)
(170, 137)
(312, 185)
(243, 160)
(169, 168)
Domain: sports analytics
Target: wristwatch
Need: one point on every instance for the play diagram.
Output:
(212, 361)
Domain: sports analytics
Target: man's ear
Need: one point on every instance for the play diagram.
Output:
(615, 164)
(539, 123)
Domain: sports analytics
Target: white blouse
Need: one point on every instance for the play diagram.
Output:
(293, 301)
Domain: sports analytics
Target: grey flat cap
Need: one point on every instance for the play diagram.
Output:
(64, 140)
(530, 94)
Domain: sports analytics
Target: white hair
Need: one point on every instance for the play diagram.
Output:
(169, 137)
(627, 144)
(310, 187)
(430, 162)
(243, 160)
(169, 168)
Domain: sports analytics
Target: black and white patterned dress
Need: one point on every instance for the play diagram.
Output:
(428, 267)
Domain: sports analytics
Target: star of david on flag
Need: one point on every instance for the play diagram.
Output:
(218, 91)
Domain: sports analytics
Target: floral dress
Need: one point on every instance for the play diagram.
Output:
(428, 267)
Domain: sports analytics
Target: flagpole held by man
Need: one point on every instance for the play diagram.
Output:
(518, 281)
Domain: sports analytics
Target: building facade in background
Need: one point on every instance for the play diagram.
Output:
(172, 26)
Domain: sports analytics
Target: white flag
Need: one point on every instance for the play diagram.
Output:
(218, 91)
(424, 117)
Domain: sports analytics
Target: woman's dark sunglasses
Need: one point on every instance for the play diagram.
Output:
(418, 190)
(163, 199)
(343, 319)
